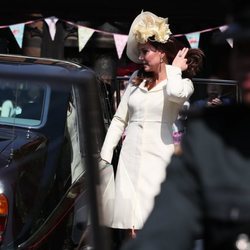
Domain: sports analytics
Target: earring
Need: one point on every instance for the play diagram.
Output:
(161, 61)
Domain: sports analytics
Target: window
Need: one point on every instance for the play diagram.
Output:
(22, 103)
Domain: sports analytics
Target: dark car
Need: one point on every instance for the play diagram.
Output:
(51, 130)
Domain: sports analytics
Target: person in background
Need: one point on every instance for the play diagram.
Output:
(206, 192)
(148, 108)
(9, 107)
(214, 97)
(32, 104)
(179, 126)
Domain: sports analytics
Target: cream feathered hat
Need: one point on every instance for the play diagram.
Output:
(146, 25)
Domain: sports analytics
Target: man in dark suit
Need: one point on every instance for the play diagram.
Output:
(207, 190)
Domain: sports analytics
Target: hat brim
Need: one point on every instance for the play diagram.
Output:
(132, 48)
(132, 45)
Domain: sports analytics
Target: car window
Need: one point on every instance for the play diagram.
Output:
(22, 103)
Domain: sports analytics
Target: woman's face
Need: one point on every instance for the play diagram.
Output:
(150, 57)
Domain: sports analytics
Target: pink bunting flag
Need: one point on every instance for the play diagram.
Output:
(120, 43)
(51, 21)
(193, 39)
(84, 35)
(229, 40)
(17, 30)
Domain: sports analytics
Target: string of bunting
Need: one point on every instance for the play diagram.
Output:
(85, 33)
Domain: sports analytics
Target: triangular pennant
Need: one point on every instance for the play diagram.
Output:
(84, 35)
(193, 39)
(229, 40)
(120, 43)
(17, 30)
(51, 21)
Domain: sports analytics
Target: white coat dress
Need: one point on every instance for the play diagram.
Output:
(148, 117)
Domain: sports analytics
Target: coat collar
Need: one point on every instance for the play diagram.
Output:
(160, 85)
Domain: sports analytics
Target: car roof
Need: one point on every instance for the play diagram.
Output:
(9, 58)
(42, 68)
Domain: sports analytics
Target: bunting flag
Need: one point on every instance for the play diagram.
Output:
(193, 39)
(18, 30)
(120, 43)
(229, 40)
(51, 21)
(84, 35)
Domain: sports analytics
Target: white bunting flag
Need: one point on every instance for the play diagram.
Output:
(84, 35)
(193, 39)
(51, 21)
(17, 30)
(229, 40)
(120, 43)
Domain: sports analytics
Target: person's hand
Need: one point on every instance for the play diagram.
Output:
(214, 102)
(180, 60)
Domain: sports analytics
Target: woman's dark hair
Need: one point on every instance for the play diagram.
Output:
(171, 47)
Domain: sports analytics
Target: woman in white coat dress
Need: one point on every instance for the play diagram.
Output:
(147, 111)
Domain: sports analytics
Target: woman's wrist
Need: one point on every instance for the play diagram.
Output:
(103, 163)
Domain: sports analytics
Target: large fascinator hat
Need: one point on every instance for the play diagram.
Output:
(146, 26)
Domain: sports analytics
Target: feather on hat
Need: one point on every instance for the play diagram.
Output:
(146, 25)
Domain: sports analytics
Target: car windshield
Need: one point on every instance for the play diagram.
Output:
(22, 103)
